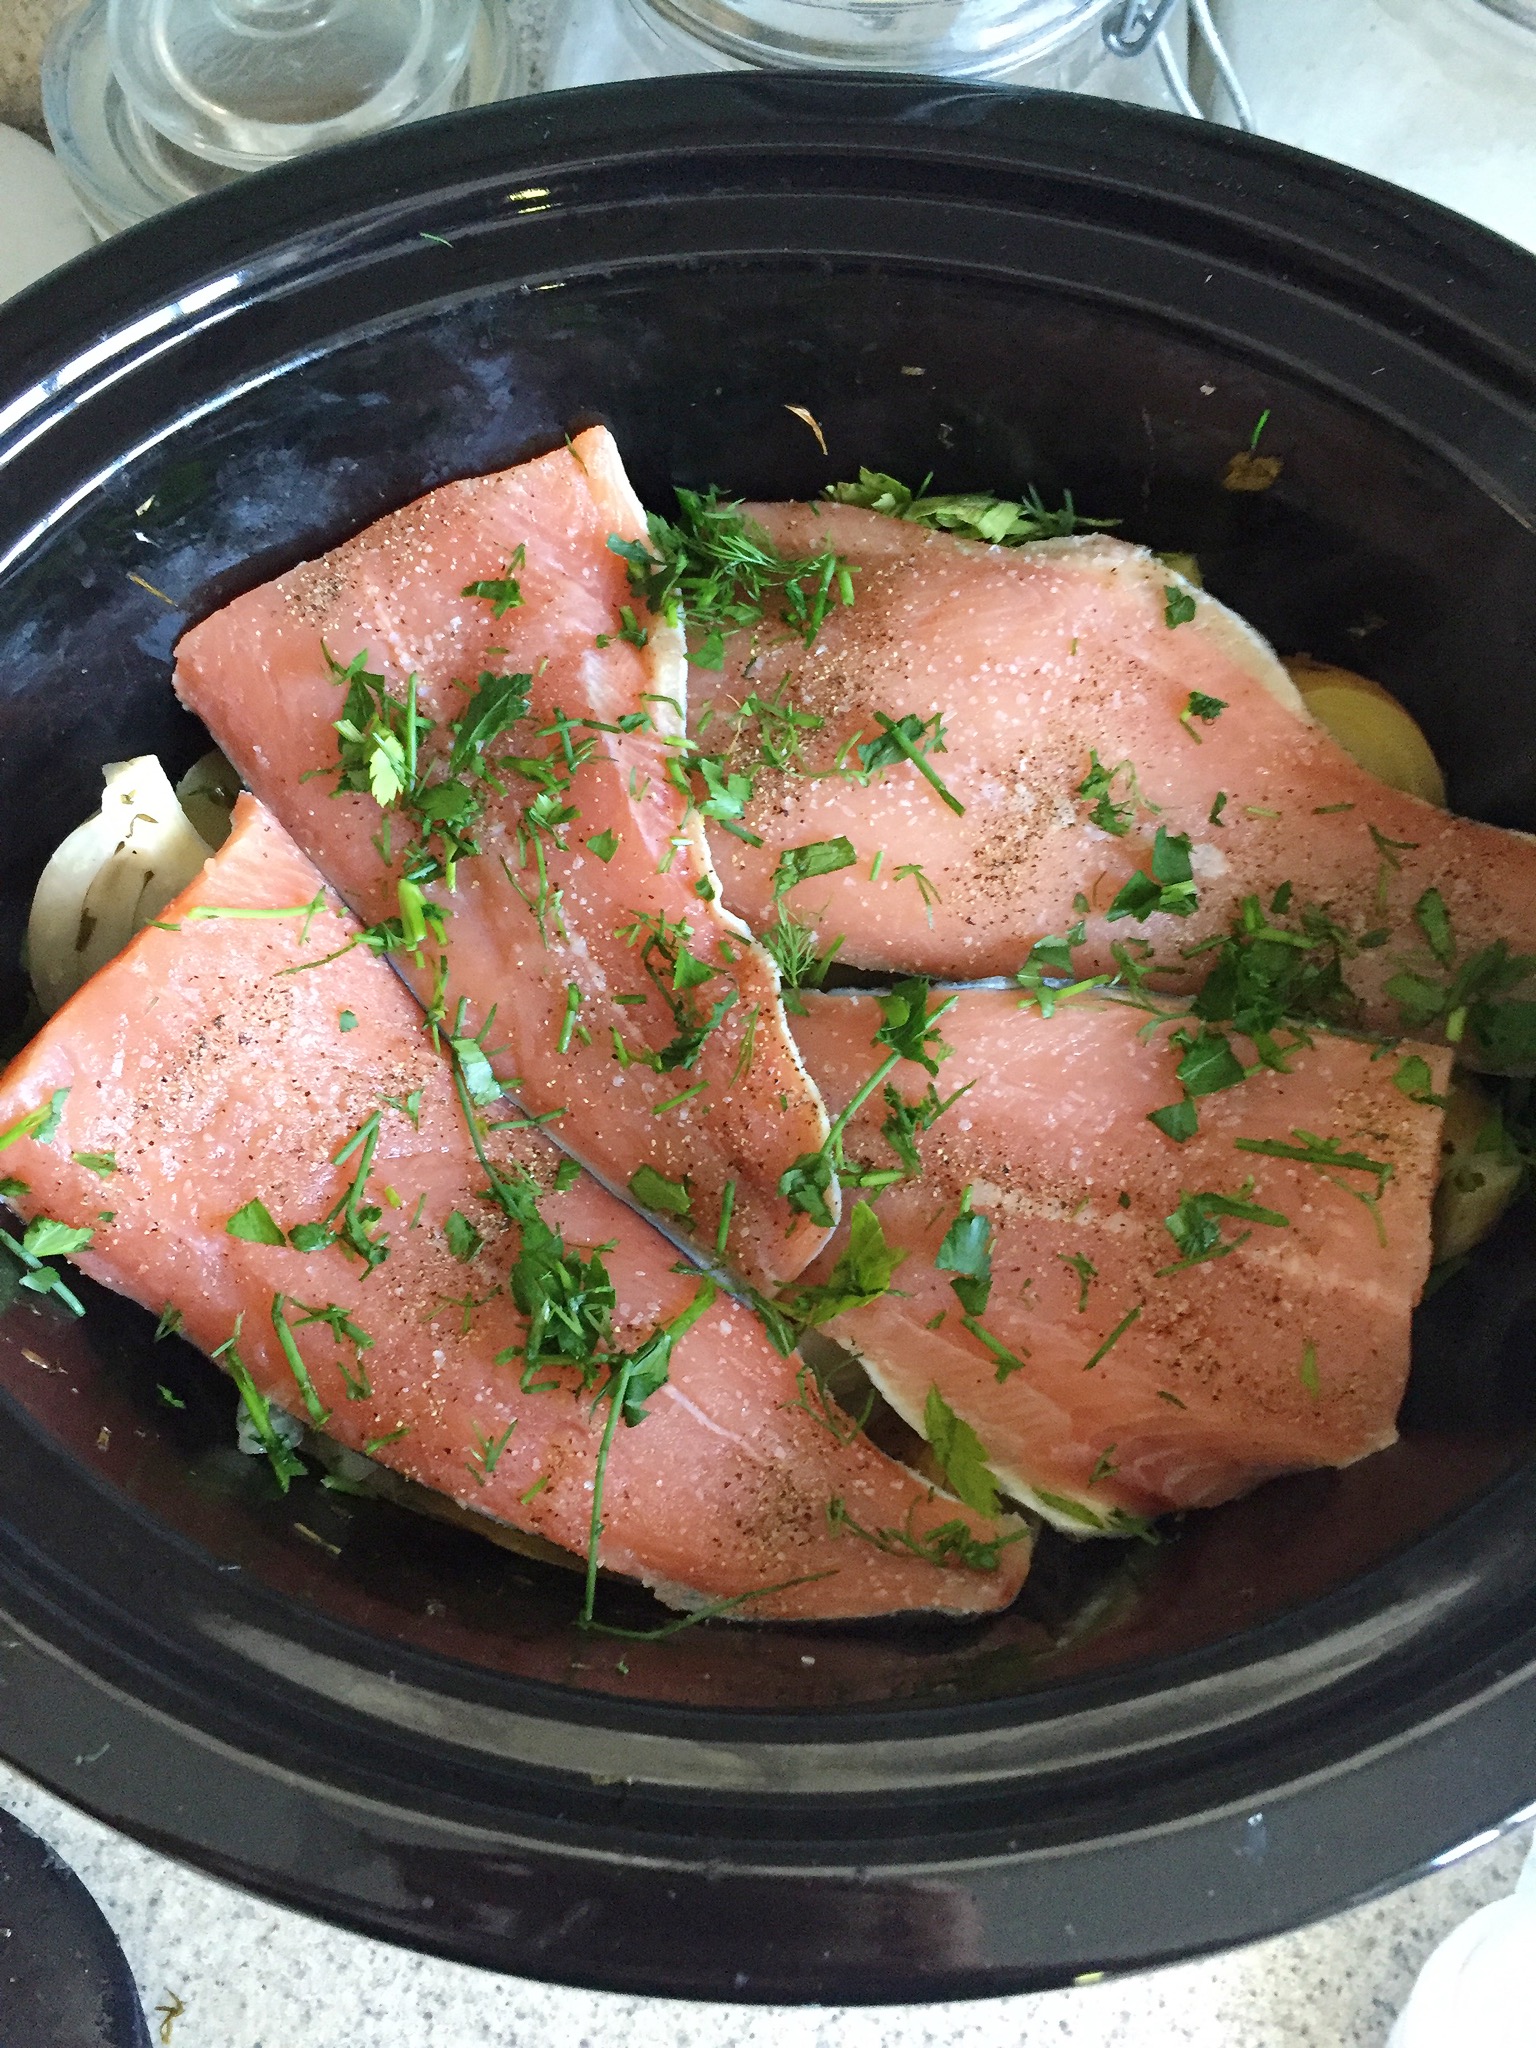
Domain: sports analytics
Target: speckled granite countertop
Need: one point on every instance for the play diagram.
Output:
(251, 1975)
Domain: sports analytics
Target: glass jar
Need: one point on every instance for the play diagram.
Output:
(1059, 43)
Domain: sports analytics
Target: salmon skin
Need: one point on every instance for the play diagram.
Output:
(1066, 697)
(1109, 1374)
(630, 1007)
(205, 1076)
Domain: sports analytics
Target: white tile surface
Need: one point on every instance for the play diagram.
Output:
(252, 1975)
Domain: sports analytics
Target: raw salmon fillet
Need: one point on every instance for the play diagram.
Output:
(1289, 1351)
(552, 959)
(202, 1074)
(1041, 658)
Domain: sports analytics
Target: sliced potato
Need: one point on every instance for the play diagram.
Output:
(207, 794)
(1368, 722)
(1480, 1173)
(109, 878)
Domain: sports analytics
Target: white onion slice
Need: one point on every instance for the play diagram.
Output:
(109, 878)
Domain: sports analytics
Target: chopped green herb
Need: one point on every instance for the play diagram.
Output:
(568, 1017)
(719, 569)
(1104, 1465)
(1209, 1063)
(318, 1413)
(961, 1453)
(907, 1120)
(102, 1163)
(1218, 807)
(375, 1444)
(1206, 709)
(1114, 1337)
(792, 947)
(502, 593)
(280, 1455)
(1195, 1226)
(1178, 1120)
(1178, 605)
(1387, 851)
(486, 1455)
(1111, 813)
(972, 515)
(1325, 1153)
(1169, 889)
(170, 1322)
(1433, 920)
(464, 1241)
(1417, 1082)
(861, 1276)
(1087, 1272)
(347, 1021)
(604, 844)
(951, 1546)
(909, 739)
(967, 1253)
(38, 1124)
(168, 1399)
(654, 1191)
(253, 1223)
(910, 1030)
(1308, 1370)
(798, 864)
(1007, 1361)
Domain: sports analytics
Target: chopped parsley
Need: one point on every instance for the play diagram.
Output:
(1087, 1272)
(1047, 973)
(909, 739)
(1327, 1154)
(347, 1021)
(253, 1223)
(966, 1251)
(1308, 1370)
(1206, 709)
(1112, 813)
(502, 593)
(102, 1163)
(652, 1190)
(1178, 606)
(720, 570)
(318, 1413)
(169, 1324)
(798, 864)
(1170, 887)
(676, 974)
(1433, 920)
(961, 1453)
(1114, 1337)
(906, 1121)
(952, 1546)
(910, 1031)
(604, 844)
(971, 515)
(464, 1241)
(39, 1124)
(1417, 1082)
(861, 1276)
(286, 1466)
(1195, 1226)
